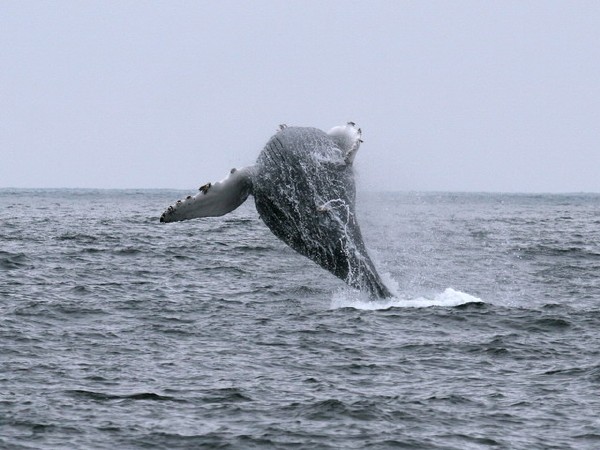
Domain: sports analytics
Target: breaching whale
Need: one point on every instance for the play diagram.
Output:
(304, 191)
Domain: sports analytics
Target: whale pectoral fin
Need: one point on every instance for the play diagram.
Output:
(348, 139)
(213, 199)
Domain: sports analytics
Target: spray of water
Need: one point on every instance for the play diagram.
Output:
(351, 298)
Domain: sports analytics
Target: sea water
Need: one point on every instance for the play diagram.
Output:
(117, 331)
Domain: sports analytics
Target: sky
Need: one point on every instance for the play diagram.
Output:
(499, 96)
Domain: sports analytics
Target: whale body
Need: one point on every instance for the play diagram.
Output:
(304, 191)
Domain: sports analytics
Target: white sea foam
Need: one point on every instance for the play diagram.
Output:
(346, 298)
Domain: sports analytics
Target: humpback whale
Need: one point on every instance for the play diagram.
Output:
(304, 191)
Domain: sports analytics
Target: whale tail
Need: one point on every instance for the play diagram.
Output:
(213, 199)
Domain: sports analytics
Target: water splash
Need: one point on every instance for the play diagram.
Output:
(347, 298)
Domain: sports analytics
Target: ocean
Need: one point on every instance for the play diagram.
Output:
(117, 331)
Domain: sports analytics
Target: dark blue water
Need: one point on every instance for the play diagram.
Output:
(120, 332)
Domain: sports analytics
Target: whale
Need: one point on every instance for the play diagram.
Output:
(304, 191)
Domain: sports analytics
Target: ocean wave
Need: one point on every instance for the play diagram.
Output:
(12, 260)
(101, 396)
(449, 298)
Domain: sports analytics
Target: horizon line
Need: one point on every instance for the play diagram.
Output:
(382, 191)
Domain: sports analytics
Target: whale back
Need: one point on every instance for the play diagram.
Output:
(304, 192)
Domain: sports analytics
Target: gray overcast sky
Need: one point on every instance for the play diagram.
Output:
(451, 95)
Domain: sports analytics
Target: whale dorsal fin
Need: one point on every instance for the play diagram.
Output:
(213, 199)
(347, 138)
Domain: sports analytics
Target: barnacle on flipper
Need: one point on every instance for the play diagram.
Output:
(204, 188)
